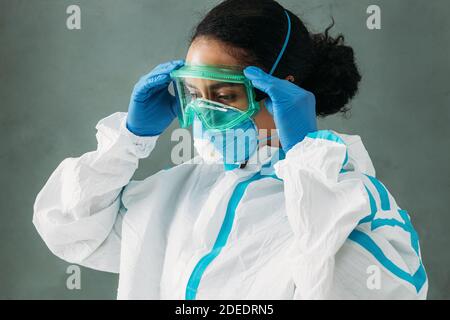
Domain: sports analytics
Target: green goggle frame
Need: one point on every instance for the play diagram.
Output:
(215, 73)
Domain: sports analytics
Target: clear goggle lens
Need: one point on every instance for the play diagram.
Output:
(219, 99)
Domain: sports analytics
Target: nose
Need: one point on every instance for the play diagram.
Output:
(206, 95)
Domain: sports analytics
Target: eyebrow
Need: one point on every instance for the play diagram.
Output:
(216, 85)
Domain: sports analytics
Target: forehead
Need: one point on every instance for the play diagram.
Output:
(206, 51)
(195, 83)
(212, 85)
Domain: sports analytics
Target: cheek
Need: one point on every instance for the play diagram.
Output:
(241, 99)
(241, 103)
(264, 119)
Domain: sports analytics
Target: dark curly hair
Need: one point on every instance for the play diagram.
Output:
(255, 31)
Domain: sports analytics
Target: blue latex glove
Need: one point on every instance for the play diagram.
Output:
(293, 108)
(152, 108)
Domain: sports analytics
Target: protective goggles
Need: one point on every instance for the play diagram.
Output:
(221, 97)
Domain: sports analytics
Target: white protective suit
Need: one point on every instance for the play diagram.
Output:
(318, 226)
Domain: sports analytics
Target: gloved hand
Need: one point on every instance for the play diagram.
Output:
(152, 108)
(293, 108)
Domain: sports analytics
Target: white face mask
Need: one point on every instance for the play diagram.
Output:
(237, 145)
(207, 151)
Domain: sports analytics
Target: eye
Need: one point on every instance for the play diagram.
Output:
(226, 97)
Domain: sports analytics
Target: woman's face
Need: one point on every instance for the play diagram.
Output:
(204, 51)
(230, 94)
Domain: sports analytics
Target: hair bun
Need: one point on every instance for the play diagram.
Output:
(334, 78)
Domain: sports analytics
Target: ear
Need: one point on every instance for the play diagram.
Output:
(290, 78)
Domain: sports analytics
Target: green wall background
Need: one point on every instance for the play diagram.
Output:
(55, 85)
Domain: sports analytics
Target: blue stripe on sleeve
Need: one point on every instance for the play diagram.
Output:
(417, 280)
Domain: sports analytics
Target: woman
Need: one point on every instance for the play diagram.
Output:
(316, 225)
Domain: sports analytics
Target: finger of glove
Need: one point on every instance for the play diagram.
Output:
(166, 68)
(263, 81)
(269, 106)
(158, 78)
(146, 87)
